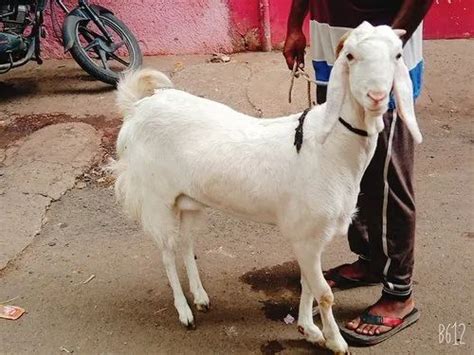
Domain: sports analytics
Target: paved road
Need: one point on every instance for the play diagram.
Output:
(60, 223)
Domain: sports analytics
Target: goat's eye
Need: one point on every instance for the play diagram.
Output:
(349, 56)
(399, 55)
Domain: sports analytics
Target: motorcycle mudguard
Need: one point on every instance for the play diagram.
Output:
(78, 14)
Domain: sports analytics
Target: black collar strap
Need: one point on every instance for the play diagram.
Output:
(299, 130)
(358, 131)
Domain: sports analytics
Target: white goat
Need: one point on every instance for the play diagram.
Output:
(179, 153)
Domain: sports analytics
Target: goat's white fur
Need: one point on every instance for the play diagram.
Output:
(179, 153)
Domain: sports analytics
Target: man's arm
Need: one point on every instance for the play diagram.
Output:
(295, 42)
(410, 16)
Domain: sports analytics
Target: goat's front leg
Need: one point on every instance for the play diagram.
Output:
(309, 259)
(306, 325)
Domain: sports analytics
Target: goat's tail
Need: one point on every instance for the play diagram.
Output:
(138, 84)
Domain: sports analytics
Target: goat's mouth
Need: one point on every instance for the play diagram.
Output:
(379, 110)
(377, 107)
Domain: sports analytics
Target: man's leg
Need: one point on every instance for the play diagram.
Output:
(321, 91)
(363, 269)
(388, 213)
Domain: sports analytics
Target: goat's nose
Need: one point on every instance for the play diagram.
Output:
(377, 96)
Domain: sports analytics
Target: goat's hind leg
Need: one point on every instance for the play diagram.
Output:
(192, 221)
(164, 227)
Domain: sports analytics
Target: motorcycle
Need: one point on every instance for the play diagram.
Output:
(98, 41)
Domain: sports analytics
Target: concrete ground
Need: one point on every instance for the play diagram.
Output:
(60, 224)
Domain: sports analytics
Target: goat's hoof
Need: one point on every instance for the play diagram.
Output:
(186, 316)
(313, 335)
(203, 307)
(337, 345)
(201, 300)
(191, 326)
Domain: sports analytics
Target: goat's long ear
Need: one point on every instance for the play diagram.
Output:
(399, 32)
(403, 90)
(337, 90)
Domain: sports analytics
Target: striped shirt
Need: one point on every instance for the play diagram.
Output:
(330, 19)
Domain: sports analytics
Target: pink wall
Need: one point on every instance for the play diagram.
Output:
(207, 26)
(244, 25)
(165, 26)
(446, 19)
(450, 19)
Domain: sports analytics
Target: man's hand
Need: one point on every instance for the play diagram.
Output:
(410, 15)
(295, 42)
(295, 45)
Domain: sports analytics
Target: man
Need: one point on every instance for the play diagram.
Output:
(383, 233)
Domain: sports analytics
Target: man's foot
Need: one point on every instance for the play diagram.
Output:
(350, 275)
(385, 308)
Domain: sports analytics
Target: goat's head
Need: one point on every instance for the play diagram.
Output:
(369, 64)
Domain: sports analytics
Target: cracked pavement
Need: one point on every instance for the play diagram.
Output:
(36, 171)
(60, 223)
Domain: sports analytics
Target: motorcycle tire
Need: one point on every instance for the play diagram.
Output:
(91, 67)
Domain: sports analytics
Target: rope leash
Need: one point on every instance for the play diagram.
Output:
(296, 73)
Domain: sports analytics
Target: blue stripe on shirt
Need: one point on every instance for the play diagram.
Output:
(323, 70)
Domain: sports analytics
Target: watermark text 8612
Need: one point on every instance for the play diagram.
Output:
(451, 333)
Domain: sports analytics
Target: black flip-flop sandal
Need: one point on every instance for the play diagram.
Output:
(344, 282)
(397, 325)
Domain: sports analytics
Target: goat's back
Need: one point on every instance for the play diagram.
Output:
(177, 143)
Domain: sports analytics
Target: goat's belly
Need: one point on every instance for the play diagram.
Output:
(240, 206)
(236, 191)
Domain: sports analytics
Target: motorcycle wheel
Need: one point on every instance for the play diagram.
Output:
(106, 65)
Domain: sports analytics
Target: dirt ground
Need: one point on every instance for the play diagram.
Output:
(246, 268)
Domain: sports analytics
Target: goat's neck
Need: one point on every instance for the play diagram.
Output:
(354, 151)
(353, 113)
